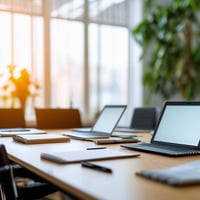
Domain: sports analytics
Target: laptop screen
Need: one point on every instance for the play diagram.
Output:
(179, 124)
(108, 119)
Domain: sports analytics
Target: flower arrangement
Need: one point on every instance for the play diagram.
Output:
(16, 86)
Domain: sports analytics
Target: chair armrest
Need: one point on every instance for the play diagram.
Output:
(22, 172)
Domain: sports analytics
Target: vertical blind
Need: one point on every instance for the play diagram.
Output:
(100, 11)
(22, 6)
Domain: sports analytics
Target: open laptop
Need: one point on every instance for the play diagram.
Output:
(177, 132)
(104, 125)
(143, 121)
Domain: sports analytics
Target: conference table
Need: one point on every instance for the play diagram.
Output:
(84, 183)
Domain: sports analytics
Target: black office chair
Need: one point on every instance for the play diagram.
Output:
(144, 118)
(10, 181)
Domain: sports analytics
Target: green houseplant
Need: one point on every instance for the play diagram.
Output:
(170, 35)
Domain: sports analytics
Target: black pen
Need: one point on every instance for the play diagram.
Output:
(96, 167)
(95, 148)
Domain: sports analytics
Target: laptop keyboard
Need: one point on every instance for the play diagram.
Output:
(86, 135)
(166, 150)
(91, 134)
(171, 148)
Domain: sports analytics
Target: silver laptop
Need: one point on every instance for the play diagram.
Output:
(177, 132)
(104, 125)
(143, 121)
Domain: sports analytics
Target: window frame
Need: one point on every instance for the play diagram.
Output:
(134, 66)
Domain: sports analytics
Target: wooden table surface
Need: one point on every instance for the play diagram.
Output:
(85, 183)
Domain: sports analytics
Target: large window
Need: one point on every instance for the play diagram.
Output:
(79, 51)
(67, 63)
(21, 44)
(108, 65)
(5, 41)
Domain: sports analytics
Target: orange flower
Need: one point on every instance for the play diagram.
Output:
(20, 87)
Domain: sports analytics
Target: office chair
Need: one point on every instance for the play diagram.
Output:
(12, 118)
(10, 176)
(144, 118)
(57, 118)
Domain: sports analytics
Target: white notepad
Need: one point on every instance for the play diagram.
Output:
(9, 132)
(86, 155)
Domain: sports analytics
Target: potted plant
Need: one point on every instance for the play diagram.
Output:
(17, 85)
(170, 37)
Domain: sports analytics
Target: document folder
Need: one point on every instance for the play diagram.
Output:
(86, 155)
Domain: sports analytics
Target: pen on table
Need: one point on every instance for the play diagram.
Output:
(95, 148)
(96, 167)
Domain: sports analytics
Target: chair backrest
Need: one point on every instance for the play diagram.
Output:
(12, 118)
(57, 118)
(7, 181)
(144, 118)
(9, 174)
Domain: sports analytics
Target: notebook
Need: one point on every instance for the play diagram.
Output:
(104, 125)
(177, 132)
(9, 132)
(40, 138)
(86, 155)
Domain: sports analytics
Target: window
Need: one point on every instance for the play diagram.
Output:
(108, 65)
(78, 50)
(66, 63)
(5, 41)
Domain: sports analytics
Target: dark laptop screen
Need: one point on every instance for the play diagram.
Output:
(179, 124)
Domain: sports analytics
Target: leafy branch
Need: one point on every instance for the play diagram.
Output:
(170, 35)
